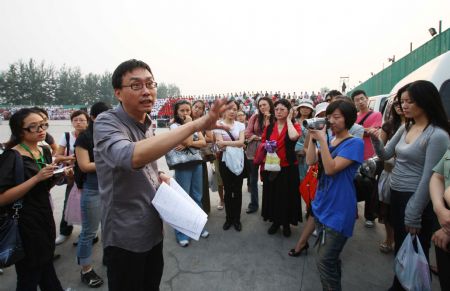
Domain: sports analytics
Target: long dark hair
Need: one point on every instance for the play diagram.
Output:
(176, 106)
(16, 126)
(395, 120)
(261, 116)
(427, 97)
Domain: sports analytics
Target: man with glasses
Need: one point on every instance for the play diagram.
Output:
(126, 151)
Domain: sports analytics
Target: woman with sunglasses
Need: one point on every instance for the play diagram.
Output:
(36, 224)
(387, 131)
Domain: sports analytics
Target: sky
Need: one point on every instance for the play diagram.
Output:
(210, 46)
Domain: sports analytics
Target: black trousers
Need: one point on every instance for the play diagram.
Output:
(443, 265)
(130, 271)
(44, 276)
(399, 200)
(64, 228)
(232, 185)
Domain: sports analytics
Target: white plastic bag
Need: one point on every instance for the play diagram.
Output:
(272, 163)
(411, 267)
(234, 159)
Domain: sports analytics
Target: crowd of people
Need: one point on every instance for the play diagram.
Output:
(280, 145)
(53, 112)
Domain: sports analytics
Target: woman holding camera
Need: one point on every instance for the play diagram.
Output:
(334, 206)
(281, 202)
(36, 224)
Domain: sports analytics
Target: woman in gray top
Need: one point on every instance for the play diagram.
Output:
(417, 146)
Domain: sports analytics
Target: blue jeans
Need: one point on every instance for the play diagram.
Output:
(90, 219)
(254, 171)
(191, 180)
(330, 245)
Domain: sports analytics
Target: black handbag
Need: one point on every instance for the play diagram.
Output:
(11, 248)
(179, 159)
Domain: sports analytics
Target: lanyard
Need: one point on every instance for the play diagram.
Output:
(39, 161)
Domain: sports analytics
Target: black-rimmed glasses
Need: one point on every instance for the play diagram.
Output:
(139, 86)
(35, 128)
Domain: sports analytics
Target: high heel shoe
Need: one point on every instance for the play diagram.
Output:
(293, 253)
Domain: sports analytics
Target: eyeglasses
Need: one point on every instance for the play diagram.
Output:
(35, 128)
(139, 86)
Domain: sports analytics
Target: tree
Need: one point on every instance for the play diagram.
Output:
(162, 91)
(173, 90)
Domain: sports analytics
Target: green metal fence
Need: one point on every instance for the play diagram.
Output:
(384, 81)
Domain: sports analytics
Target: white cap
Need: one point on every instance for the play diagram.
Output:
(321, 107)
(306, 103)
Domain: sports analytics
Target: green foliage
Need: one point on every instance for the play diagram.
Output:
(39, 84)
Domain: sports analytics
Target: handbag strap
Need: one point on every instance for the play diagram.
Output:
(231, 136)
(365, 117)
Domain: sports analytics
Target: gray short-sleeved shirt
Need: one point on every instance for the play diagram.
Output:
(129, 220)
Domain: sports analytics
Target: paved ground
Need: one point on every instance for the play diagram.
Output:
(247, 260)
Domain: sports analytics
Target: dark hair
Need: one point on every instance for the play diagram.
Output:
(332, 94)
(96, 109)
(199, 101)
(395, 121)
(358, 92)
(78, 113)
(286, 104)
(261, 116)
(16, 126)
(41, 110)
(347, 109)
(126, 67)
(176, 106)
(427, 97)
(300, 115)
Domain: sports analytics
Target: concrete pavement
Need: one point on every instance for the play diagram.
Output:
(247, 260)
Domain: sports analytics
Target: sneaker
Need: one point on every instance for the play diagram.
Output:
(60, 239)
(369, 224)
(314, 233)
(184, 243)
(220, 206)
(1, 271)
(205, 234)
(91, 279)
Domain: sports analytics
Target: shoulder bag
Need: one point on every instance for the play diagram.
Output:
(11, 249)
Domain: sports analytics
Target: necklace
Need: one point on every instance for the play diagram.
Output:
(40, 161)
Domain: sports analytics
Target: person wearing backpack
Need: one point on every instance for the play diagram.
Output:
(334, 205)
(66, 148)
(35, 221)
(86, 180)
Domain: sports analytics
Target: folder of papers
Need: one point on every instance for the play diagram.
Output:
(178, 209)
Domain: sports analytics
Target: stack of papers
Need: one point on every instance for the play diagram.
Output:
(178, 209)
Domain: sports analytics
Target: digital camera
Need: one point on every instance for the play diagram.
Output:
(315, 123)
